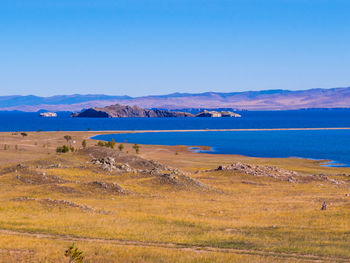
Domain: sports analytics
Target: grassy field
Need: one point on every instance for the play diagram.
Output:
(50, 201)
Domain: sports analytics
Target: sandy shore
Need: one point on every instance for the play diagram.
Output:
(206, 130)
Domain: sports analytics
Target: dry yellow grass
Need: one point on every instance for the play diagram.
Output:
(241, 218)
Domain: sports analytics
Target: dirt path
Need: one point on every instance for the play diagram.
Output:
(184, 247)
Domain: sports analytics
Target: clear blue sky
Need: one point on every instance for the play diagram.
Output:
(142, 47)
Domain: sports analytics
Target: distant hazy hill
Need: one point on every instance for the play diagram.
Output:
(250, 100)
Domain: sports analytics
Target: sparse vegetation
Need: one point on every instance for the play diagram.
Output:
(121, 147)
(68, 138)
(74, 254)
(110, 144)
(136, 147)
(62, 149)
(84, 143)
(66, 197)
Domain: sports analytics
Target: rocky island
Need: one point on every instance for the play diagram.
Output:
(121, 111)
(217, 114)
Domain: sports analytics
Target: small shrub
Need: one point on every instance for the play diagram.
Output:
(74, 254)
(24, 134)
(121, 147)
(107, 144)
(137, 148)
(100, 143)
(112, 144)
(84, 143)
(62, 149)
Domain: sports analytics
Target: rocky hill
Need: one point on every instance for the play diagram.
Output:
(121, 111)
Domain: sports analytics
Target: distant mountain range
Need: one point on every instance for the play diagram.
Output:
(249, 100)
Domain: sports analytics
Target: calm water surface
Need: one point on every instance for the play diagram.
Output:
(314, 144)
(325, 144)
(19, 121)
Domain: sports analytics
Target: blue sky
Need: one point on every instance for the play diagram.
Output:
(143, 47)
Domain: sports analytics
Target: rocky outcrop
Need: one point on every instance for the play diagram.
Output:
(258, 170)
(121, 111)
(119, 163)
(108, 164)
(214, 114)
(274, 172)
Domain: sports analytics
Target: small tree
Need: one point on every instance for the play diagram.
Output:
(24, 134)
(121, 147)
(112, 144)
(67, 138)
(74, 254)
(84, 143)
(137, 148)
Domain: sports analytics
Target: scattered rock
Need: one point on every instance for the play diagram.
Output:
(108, 164)
(19, 166)
(274, 172)
(324, 206)
(109, 187)
(63, 189)
(36, 178)
(259, 170)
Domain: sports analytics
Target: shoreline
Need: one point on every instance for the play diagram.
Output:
(210, 150)
(187, 130)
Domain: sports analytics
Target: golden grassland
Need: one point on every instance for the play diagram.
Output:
(241, 218)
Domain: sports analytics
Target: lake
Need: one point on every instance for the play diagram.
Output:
(313, 144)
(323, 144)
(19, 121)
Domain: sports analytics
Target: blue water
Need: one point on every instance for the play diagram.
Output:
(314, 144)
(328, 144)
(19, 121)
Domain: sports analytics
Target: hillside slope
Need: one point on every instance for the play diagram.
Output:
(250, 100)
